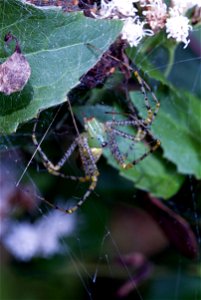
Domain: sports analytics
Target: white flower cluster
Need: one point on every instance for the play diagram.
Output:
(156, 16)
(133, 31)
(177, 27)
(117, 9)
(42, 238)
(184, 5)
(155, 12)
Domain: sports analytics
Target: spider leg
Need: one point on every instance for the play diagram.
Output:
(140, 135)
(141, 129)
(116, 151)
(91, 188)
(90, 168)
(91, 174)
(54, 168)
(113, 146)
(143, 86)
(143, 156)
(123, 122)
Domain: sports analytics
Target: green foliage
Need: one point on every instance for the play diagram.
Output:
(178, 127)
(155, 174)
(55, 45)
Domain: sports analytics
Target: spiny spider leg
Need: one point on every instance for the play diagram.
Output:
(90, 169)
(123, 122)
(91, 173)
(143, 156)
(137, 124)
(88, 159)
(135, 138)
(113, 146)
(71, 210)
(143, 86)
(54, 168)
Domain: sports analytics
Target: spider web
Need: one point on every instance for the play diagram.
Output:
(111, 245)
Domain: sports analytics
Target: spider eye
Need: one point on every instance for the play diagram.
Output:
(104, 144)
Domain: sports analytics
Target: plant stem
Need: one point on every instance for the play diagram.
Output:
(171, 52)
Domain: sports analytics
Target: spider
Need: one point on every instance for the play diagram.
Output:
(104, 135)
(97, 136)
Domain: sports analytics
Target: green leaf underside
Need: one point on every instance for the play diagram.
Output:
(154, 174)
(55, 45)
(178, 127)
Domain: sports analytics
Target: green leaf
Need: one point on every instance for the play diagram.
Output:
(55, 45)
(178, 127)
(154, 174)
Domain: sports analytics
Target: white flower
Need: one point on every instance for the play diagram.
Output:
(125, 7)
(49, 244)
(57, 223)
(177, 27)
(133, 31)
(51, 228)
(155, 13)
(117, 8)
(143, 3)
(195, 3)
(42, 238)
(22, 241)
(183, 6)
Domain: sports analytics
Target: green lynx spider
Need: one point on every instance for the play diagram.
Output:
(90, 144)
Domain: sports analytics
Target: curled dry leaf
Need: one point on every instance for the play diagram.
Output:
(177, 229)
(14, 73)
